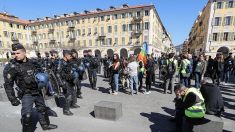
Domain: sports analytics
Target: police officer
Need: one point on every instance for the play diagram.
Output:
(99, 63)
(76, 63)
(65, 70)
(21, 72)
(93, 65)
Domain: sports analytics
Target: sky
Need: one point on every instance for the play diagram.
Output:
(177, 16)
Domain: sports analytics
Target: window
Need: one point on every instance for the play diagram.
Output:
(115, 16)
(138, 14)
(215, 36)
(123, 15)
(146, 13)
(228, 20)
(124, 27)
(130, 14)
(130, 27)
(217, 21)
(102, 18)
(96, 42)
(146, 25)
(225, 38)
(78, 32)
(109, 41)
(138, 27)
(123, 40)
(6, 34)
(219, 5)
(115, 28)
(116, 41)
(83, 32)
(89, 31)
(84, 43)
(90, 42)
(11, 25)
(109, 29)
(83, 20)
(95, 30)
(230, 4)
(89, 20)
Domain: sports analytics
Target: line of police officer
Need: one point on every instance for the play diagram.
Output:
(35, 76)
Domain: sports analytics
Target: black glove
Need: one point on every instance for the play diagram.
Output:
(15, 102)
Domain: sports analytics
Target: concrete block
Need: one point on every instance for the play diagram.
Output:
(108, 110)
(215, 124)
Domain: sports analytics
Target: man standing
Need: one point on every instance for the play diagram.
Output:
(171, 72)
(21, 71)
(228, 66)
(65, 70)
(92, 69)
(132, 69)
(76, 63)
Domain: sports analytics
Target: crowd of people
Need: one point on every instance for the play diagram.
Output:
(62, 78)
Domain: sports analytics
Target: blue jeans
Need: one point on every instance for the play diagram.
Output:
(133, 80)
(116, 80)
(227, 76)
(184, 81)
(198, 78)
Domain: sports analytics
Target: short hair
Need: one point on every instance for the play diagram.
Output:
(179, 87)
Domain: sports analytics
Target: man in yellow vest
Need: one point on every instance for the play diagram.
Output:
(190, 105)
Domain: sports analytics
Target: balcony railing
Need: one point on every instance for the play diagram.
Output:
(51, 30)
(52, 41)
(101, 36)
(137, 19)
(71, 28)
(34, 32)
(136, 33)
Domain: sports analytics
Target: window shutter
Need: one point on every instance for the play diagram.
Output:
(222, 5)
(226, 4)
(213, 22)
(224, 19)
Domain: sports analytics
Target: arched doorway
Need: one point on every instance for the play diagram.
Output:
(98, 53)
(84, 52)
(137, 51)
(123, 53)
(224, 51)
(110, 53)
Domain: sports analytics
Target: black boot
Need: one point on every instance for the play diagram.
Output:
(79, 96)
(45, 122)
(73, 106)
(27, 123)
(67, 112)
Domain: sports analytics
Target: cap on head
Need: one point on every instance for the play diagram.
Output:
(17, 46)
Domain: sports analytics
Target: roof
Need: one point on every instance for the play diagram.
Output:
(13, 19)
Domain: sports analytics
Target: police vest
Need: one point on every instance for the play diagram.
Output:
(198, 110)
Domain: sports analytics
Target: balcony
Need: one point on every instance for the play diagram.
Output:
(35, 42)
(137, 19)
(51, 30)
(136, 33)
(52, 41)
(71, 28)
(101, 36)
(71, 39)
(34, 32)
(14, 39)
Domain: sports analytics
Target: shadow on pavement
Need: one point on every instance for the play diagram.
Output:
(229, 116)
(169, 111)
(103, 90)
(161, 123)
(92, 114)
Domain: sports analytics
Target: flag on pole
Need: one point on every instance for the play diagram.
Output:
(143, 53)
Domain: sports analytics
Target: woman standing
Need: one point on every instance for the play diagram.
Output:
(115, 76)
(199, 70)
(219, 68)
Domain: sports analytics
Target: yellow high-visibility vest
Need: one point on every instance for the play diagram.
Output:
(198, 110)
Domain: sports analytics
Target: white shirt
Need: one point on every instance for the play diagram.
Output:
(133, 68)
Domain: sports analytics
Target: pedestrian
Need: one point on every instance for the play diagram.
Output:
(228, 66)
(218, 69)
(141, 72)
(200, 67)
(185, 70)
(115, 74)
(171, 73)
(21, 71)
(132, 69)
(149, 71)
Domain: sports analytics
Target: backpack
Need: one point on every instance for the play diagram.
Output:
(189, 68)
(171, 68)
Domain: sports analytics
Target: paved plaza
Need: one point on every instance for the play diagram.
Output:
(141, 113)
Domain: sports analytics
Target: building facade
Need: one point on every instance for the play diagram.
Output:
(214, 29)
(121, 30)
